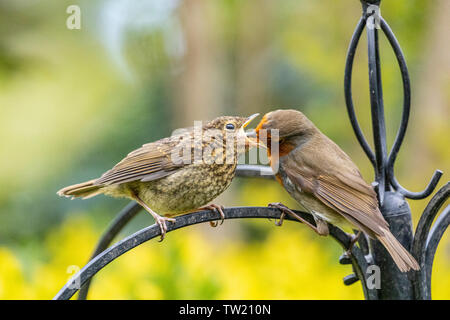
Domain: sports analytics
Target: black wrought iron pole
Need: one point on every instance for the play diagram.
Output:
(394, 207)
(394, 284)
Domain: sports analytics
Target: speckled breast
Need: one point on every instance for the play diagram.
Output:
(187, 189)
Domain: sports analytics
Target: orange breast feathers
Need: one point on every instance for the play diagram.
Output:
(284, 146)
(267, 143)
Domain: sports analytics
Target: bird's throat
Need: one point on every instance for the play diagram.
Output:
(284, 147)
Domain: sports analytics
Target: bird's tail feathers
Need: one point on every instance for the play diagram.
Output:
(84, 190)
(402, 258)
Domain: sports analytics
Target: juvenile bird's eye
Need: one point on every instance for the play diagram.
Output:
(230, 126)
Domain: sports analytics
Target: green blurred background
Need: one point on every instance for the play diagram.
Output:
(74, 102)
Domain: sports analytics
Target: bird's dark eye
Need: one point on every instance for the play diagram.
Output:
(230, 126)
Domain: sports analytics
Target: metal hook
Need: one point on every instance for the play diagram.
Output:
(348, 90)
(404, 122)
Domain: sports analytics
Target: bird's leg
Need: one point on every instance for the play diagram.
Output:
(161, 221)
(285, 210)
(219, 209)
(321, 225)
(353, 240)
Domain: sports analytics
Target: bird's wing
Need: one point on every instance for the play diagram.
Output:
(150, 162)
(340, 187)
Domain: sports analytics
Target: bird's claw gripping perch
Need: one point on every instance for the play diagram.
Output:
(285, 210)
(282, 208)
(161, 221)
(219, 209)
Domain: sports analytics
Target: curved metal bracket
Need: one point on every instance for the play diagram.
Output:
(426, 241)
(384, 169)
(404, 122)
(348, 90)
(132, 241)
(121, 220)
(436, 233)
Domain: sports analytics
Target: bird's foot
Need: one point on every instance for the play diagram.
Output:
(219, 209)
(161, 221)
(283, 209)
(323, 230)
(353, 239)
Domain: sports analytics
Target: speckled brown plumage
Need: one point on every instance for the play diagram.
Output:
(165, 183)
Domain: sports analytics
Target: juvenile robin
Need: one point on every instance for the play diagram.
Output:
(326, 182)
(175, 175)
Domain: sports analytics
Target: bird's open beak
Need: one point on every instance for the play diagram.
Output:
(249, 119)
(250, 135)
(253, 140)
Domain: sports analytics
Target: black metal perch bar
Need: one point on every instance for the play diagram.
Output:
(153, 231)
(391, 195)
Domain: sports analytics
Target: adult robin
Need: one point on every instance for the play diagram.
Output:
(325, 181)
(178, 174)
